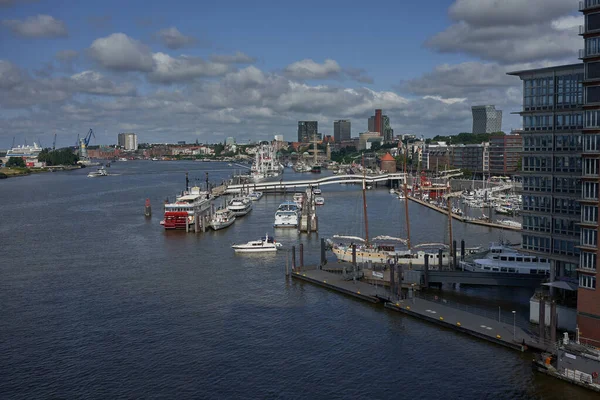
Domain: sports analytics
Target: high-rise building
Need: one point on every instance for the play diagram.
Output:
(307, 130)
(278, 138)
(472, 157)
(551, 167)
(128, 141)
(381, 123)
(341, 130)
(588, 295)
(505, 154)
(486, 119)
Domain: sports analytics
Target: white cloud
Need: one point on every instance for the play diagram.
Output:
(237, 58)
(95, 83)
(173, 39)
(172, 70)
(39, 26)
(66, 55)
(485, 13)
(119, 52)
(309, 69)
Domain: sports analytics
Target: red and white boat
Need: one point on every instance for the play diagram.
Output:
(185, 208)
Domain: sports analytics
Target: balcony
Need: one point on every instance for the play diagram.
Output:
(581, 29)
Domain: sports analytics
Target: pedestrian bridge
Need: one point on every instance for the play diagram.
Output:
(329, 180)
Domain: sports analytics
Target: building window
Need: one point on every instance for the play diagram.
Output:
(564, 206)
(565, 247)
(593, 70)
(536, 243)
(590, 190)
(589, 214)
(590, 166)
(587, 281)
(588, 261)
(593, 22)
(593, 94)
(536, 203)
(589, 237)
(591, 142)
(569, 121)
(567, 185)
(536, 223)
(565, 227)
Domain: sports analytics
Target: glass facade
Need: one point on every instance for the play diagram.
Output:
(553, 119)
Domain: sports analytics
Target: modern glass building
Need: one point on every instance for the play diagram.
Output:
(505, 154)
(307, 130)
(588, 294)
(551, 165)
(342, 130)
(486, 119)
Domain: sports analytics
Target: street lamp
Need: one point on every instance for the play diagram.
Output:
(514, 325)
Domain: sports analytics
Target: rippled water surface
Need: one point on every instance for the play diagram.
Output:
(97, 301)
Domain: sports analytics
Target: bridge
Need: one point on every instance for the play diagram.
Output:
(329, 180)
(485, 278)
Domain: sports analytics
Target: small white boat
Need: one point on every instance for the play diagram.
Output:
(222, 219)
(317, 191)
(401, 195)
(265, 244)
(100, 172)
(122, 159)
(319, 201)
(230, 165)
(255, 196)
(510, 222)
(240, 206)
(392, 191)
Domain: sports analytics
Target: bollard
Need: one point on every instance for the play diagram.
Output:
(426, 271)
(392, 280)
(301, 255)
(454, 264)
(462, 250)
(323, 254)
(293, 258)
(440, 258)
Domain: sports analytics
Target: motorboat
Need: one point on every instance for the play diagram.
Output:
(298, 199)
(317, 191)
(504, 259)
(319, 201)
(99, 172)
(286, 215)
(265, 244)
(392, 191)
(401, 195)
(255, 196)
(222, 218)
(510, 222)
(240, 206)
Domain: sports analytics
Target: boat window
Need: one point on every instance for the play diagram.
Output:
(494, 269)
(503, 269)
(533, 271)
(519, 259)
(503, 258)
(511, 259)
(486, 268)
(542, 260)
(495, 257)
(511, 270)
(526, 259)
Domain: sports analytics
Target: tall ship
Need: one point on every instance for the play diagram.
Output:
(265, 163)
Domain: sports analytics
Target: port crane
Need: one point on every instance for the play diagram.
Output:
(82, 143)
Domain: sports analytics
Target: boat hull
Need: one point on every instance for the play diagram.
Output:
(382, 257)
(255, 250)
(221, 225)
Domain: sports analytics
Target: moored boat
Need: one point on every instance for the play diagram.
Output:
(222, 218)
(255, 196)
(190, 203)
(240, 206)
(504, 259)
(319, 201)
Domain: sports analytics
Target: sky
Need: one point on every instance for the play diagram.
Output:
(198, 70)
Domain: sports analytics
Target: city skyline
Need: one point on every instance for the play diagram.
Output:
(170, 78)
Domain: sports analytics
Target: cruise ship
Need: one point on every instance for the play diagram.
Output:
(25, 151)
(265, 163)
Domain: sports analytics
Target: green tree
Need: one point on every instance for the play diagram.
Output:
(58, 157)
(15, 162)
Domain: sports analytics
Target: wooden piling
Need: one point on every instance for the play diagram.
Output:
(301, 255)
(293, 258)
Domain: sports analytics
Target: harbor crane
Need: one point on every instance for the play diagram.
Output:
(54, 143)
(82, 143)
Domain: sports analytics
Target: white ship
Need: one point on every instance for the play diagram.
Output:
(190, 202)
(222, 219)
(501, 258)
(286, 215)
(265, 163)
(265, 244)
(25, 151)
(240, 206)
(100, 172)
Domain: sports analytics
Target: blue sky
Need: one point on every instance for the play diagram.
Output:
(66, 66)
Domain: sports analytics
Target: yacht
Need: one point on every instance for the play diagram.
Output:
(401, 195)
(100, 172)
(265, 244)
(504, 259)
(319, 201)
(222, 219)
(510, 222)
(240, 206)
(185, 208)
(317, 191)
(286, 215)
(255, 196)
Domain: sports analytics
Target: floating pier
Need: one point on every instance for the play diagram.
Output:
(464, 219)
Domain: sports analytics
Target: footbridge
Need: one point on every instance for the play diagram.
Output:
(329, 180)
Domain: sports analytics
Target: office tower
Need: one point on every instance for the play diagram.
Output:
(341, 130)
(486, 119)
(307, 130)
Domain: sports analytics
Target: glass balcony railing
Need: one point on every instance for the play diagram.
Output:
(581, 54)
(588, 4)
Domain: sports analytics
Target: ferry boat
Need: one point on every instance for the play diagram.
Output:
(265, 163)
(240, 206)
(222, 218)
(504, 259)
(286, 215)
(265, 244)
(188, 204)
(100, 172)
(315, 169)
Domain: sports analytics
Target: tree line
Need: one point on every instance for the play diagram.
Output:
(58, 157)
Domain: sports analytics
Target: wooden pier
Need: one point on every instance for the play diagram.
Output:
(464, 219)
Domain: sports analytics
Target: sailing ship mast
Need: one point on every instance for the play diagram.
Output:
(364, 190)
(406, 200)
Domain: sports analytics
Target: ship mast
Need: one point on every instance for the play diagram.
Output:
(315, 144)
(406, 200)
(364, 190)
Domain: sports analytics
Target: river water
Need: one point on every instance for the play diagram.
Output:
(98, 301)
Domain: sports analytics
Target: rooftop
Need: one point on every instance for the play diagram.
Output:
(546, 69)
(388, 157)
